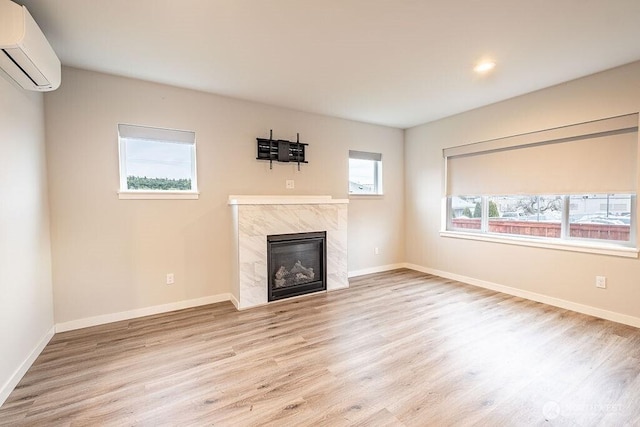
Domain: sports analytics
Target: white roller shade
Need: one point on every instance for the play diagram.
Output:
(594, 157)
(363, 155)
(156, 134)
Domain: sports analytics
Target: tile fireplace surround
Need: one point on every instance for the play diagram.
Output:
(256, 217)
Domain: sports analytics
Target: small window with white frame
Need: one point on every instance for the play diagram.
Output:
(157, 163)
(365, 173)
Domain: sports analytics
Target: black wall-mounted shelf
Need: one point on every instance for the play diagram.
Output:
(280, 150)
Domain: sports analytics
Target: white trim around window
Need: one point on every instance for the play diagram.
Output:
(365, 174)
(157, 163)
(573, 246)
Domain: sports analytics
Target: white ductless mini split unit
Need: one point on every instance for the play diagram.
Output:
(25, 54)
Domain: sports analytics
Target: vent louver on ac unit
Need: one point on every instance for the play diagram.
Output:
(26, 54)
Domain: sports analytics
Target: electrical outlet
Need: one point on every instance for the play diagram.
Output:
(601, 282)
(290, 184)
(376, 251)
(170, 279)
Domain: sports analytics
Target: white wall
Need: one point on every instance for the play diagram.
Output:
(111, 255)
(26, 301)
(567, 276)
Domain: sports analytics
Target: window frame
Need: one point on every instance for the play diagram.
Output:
(633, 225)
(376, 158)
(127, 132)
(449, 216)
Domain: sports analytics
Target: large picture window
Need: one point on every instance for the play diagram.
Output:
(157, 162)
(591, 217)
(574, 185)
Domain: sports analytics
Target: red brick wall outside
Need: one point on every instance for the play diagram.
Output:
(548, 229)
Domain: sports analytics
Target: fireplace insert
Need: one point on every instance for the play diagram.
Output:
(296, 264)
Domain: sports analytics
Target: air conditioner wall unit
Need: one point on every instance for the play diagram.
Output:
(25, 54)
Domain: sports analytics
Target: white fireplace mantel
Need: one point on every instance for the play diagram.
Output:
(257, 216)
(285, 200)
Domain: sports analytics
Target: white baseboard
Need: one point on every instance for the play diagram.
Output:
(234, 301)
(12, 382)
(533, 296)
(378, 269)
(140, 312)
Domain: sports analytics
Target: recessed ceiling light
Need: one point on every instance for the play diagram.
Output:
(484, 67)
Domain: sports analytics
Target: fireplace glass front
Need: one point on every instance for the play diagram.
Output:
(296, 264)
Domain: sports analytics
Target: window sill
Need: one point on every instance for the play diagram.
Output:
(158, 195)
(585, 247)
(365, 196)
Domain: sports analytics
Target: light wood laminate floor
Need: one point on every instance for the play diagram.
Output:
(397, 348)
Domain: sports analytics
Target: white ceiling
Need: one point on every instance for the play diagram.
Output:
(391, 62)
